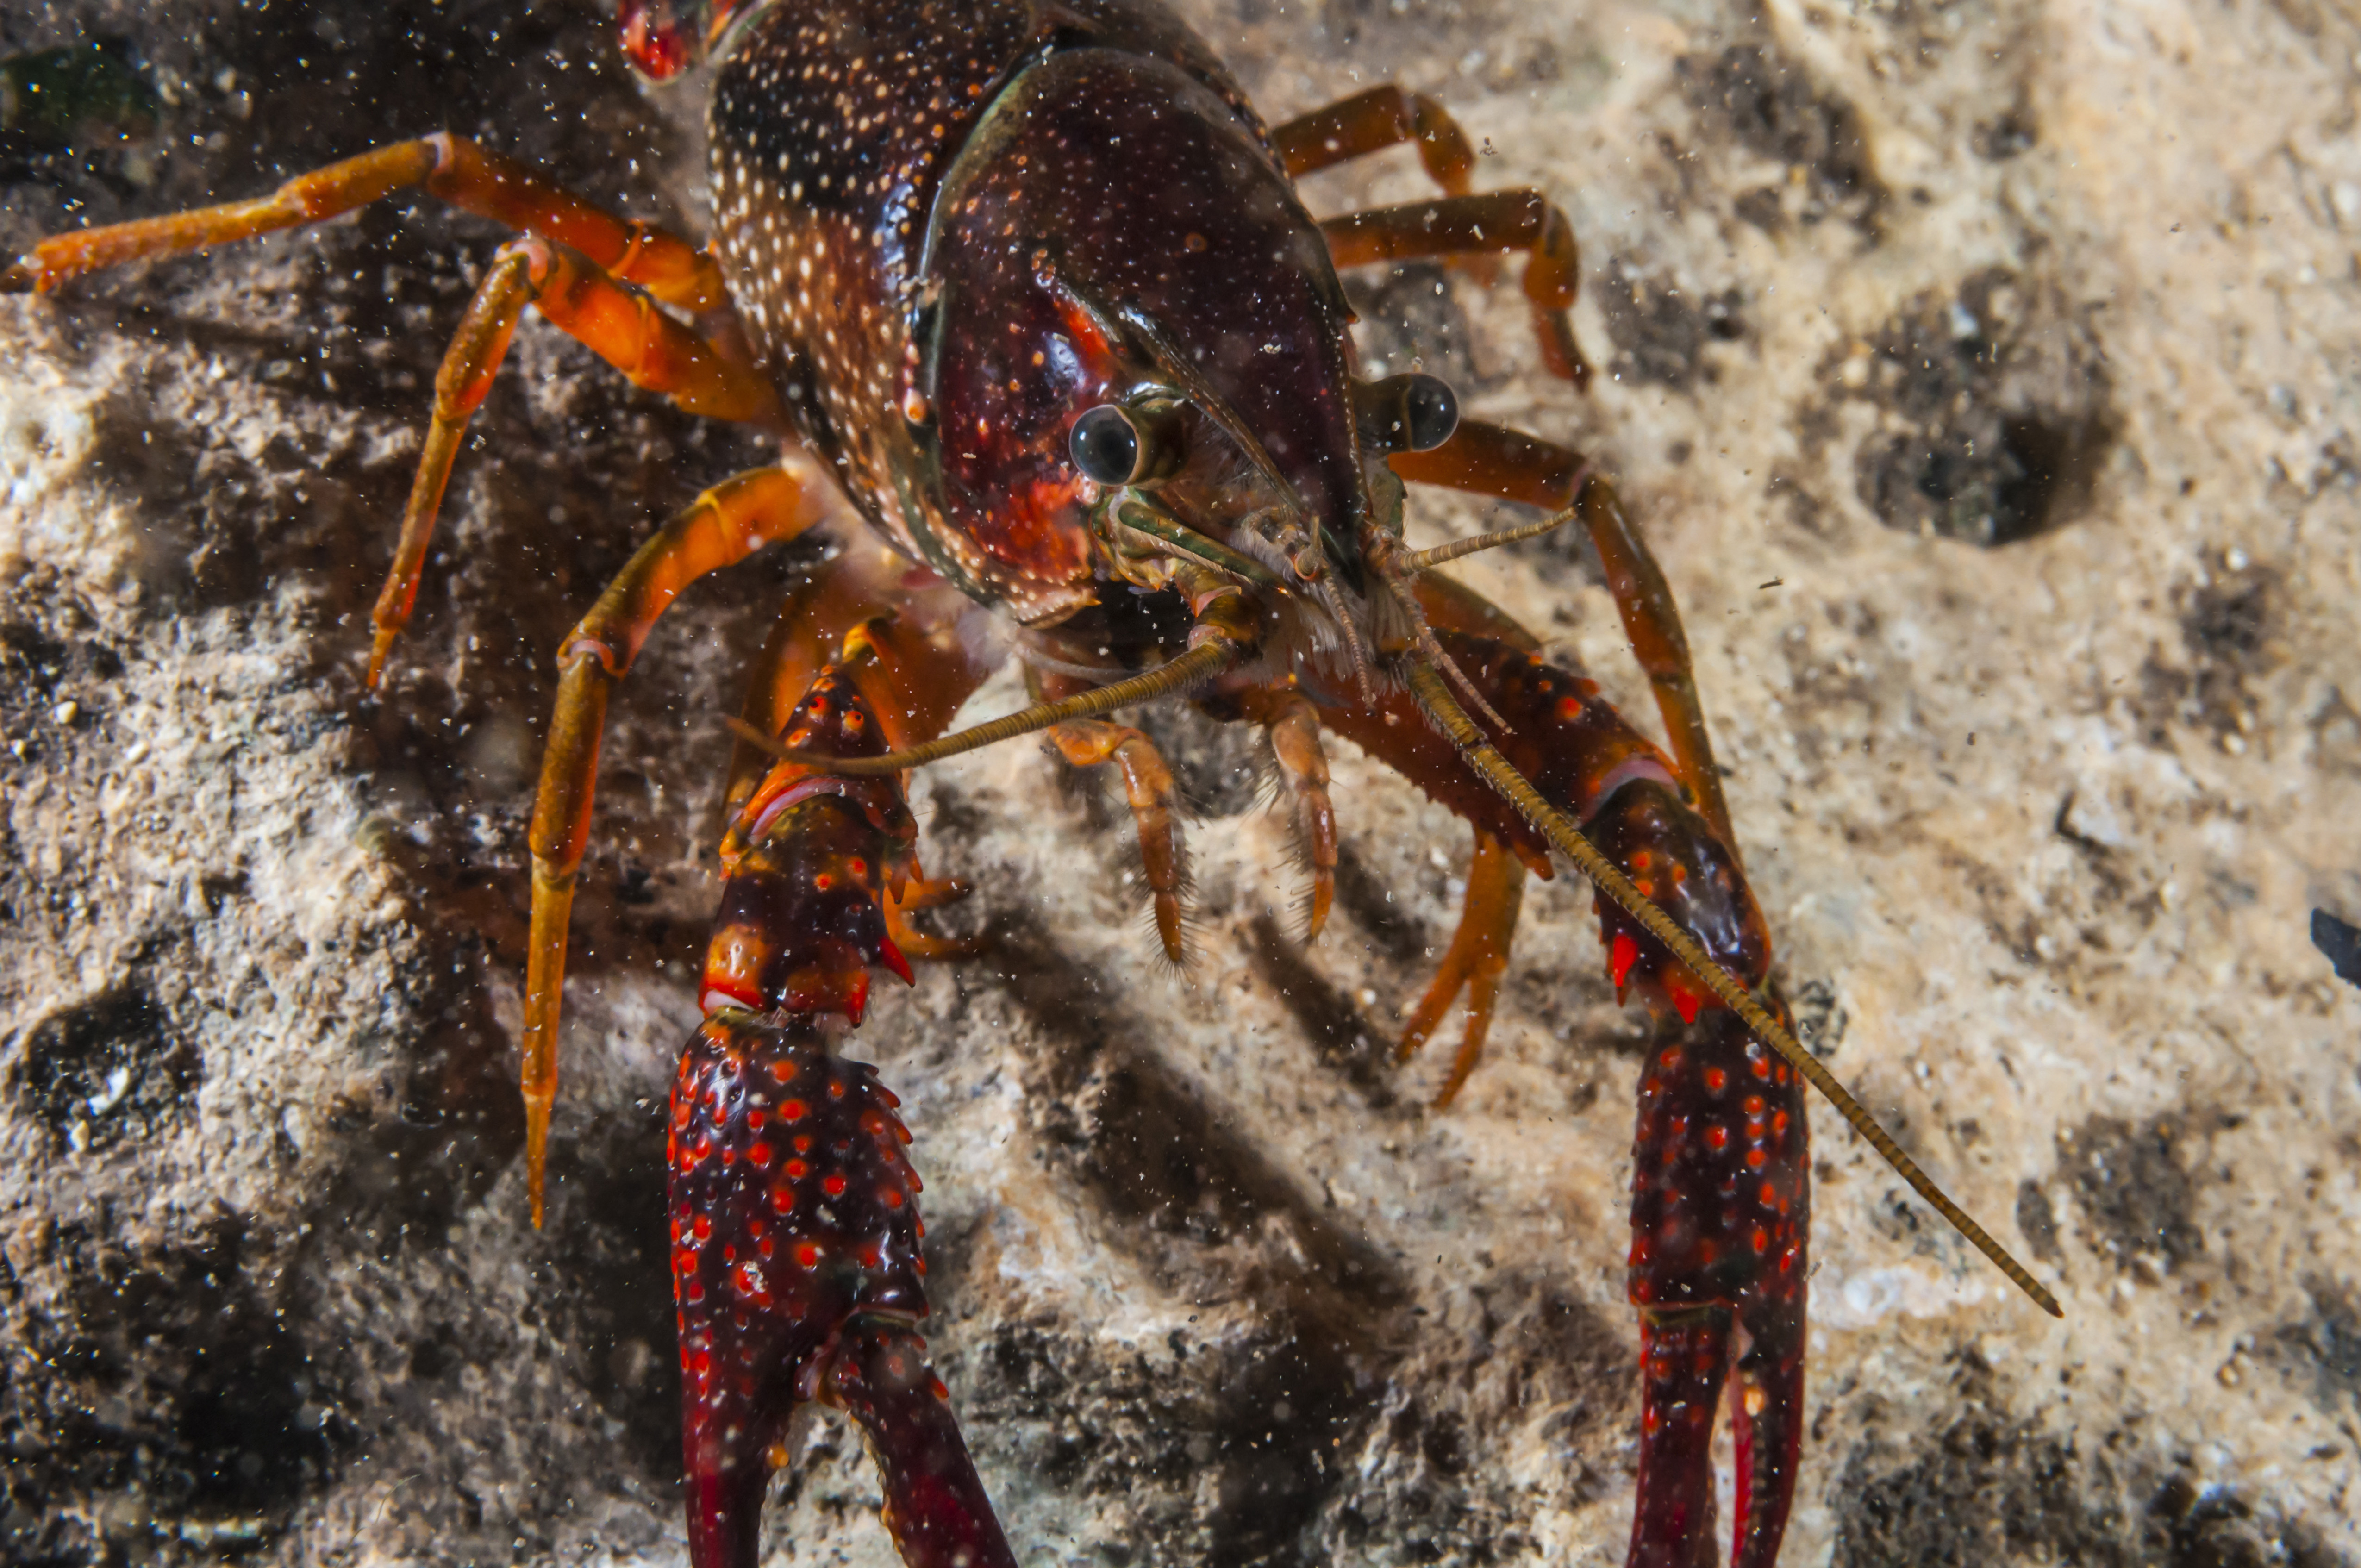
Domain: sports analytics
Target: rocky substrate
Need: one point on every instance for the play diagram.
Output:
(1984, 374)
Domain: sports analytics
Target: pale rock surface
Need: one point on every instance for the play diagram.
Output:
(1984, 374)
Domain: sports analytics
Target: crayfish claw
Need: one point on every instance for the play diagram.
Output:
(935, 1504)
(1718, 1219)
(1684, 1357)
(1769, 1415)
(799, 1276)
(1685, 1363)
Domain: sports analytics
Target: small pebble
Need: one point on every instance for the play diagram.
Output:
(66, 712)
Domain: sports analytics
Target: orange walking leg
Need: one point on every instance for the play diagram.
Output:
(618, 325)
(1475, 960)
(1491, 460)
(726, 524)
(1147, 785)
(452, 168)
(1370, 122)
(1492, 223)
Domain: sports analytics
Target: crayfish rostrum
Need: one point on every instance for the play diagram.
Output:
(1031, 284)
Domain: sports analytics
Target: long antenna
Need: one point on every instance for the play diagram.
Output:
(1434, 697)
(1207, 659)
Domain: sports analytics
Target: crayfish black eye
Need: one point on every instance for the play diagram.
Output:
(1104, 447)
(1430, 411)
(1407, 413)
(1137, 442)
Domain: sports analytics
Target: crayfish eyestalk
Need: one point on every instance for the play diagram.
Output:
(1435, 698)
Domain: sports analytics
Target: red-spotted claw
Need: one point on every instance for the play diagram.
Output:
(799, 1275)
(797, 1264)
(1720, 1202)
(1721, 1187)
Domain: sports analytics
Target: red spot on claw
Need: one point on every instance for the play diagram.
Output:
(833, 1184)
(1716, 1137)
(1626, 954)
(1715, 1078)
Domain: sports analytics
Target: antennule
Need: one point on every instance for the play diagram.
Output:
(1423, 560)
(1387, 559)
(1497, 771)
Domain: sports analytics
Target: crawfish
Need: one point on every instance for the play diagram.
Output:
(1029, 282)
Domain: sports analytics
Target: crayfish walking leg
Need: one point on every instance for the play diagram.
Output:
(796, 1263)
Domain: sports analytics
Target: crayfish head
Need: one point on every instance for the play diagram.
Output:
(1136, 356)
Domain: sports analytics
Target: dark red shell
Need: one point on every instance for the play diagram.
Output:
(1115, 179)
(893, 201)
